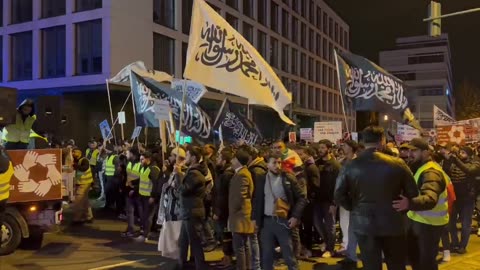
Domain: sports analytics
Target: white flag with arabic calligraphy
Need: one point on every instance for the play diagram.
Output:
(441, 118)
(220, 57)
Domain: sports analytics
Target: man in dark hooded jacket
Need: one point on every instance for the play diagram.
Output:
(17, 135)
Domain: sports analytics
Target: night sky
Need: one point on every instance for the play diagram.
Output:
(374, 25)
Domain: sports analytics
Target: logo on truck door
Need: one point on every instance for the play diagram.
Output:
(37, 175)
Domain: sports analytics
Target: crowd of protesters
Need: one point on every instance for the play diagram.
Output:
(256, 202)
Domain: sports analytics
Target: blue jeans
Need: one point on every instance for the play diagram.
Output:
(351, 251)
(464, 209)
(276, 229)
(255, 251)
(241, 246)
(133, 202)
(325, 224)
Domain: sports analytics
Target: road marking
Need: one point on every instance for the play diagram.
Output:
(117, 265)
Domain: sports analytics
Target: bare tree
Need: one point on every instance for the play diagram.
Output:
(467, 98)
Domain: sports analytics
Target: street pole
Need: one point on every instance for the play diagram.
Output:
(452, 14)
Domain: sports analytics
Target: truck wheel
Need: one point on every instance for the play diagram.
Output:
(34, 240)
(10, 235)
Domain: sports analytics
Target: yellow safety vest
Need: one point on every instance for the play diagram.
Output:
(20, 131)
(5, 182)
(437, 216)
(92, 156)
(83, 178)
(145, 188)
(133, 172)
(110, 167)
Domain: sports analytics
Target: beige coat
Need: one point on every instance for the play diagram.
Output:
(240, 202)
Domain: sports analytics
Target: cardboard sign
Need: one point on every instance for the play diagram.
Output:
(406, 133)
(292, 137)
(105, 130)
(354, 136)
(136, 133)
(38, 175)
(306, 134)
(121, 118)
(162, 109)
(331, 131)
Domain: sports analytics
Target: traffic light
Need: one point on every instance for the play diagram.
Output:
(435, 26)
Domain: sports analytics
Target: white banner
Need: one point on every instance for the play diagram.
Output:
(195, 91)
(306, 134)
(220, 57)
(406, 133)
(331, 131)
(441, 118)
(140, 68)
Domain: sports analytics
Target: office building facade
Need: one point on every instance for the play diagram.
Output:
(62, 51)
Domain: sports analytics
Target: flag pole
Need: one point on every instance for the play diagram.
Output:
(341, 93)
(180, 124)
(111, 110)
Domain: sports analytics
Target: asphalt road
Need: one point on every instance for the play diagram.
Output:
(99, 246)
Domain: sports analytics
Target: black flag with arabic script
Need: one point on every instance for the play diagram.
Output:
(196, 122)
(369, 87)
(235, 126)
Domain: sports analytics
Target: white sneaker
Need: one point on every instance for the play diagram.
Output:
(327, 255)
(140, 239)
(278, 250)
(446, 256)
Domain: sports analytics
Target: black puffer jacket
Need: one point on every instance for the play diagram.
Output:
(462, 174)
(329, 170)
(220, 192)
(192, 191)
(367, 186)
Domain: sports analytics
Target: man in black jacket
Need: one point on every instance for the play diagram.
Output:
(366, 187)
(324, 207)
(462, 169)
(277, 185)
(192, 212)
(224, 174)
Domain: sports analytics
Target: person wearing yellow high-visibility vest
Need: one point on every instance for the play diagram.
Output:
(91, 154)
(17, 135)
(428, 212)
(112, 186)
(6, 173)
(148, 192)
(131, 190)
(83, 181)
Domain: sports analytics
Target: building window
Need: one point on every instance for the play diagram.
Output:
(232, 20)
(186, 15)
(163, 53)
(310, 69)
(325, 23)
(164, 13)
(262, 43)
(341, 37)
(285, 22)
(83, 5)
(318, 72)
(285, 57)
(295, 5)
(325, 49)
(89, 47)
(318, 96)
(53, 8)
(312, 12)
(324, 101)
(21, 11)
(294, 29)
(233, 3)
(21, 52)
(324, 75)
(303, 95)
(1, 14)
(303, 8)
(346, 40)
(262, 12)
(1, 58)
(336, 33)
(426, 58)
(303, 64)
(217, 9)
(330, 77)
(405, 76)
(335, 103)
(318, 49)
(274, 17)
(53, 52)
(330, 102)
(273, 52)
(330, 52)
(294, 61)
(303, 36)
(248, 8)
(248, 32)
(311, 97)
(330, 27)
(184, 55)
(311, 38)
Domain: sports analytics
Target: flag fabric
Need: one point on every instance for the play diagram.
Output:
(441, 118)
(235, 127)
(140, 68)
(369, 87)
(220, 57)
(194, 91)
(196, 122)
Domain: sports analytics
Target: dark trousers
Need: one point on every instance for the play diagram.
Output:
(306, 232)
(371, 248)
(464, 210)
(132, 204)
(325, 224)
(224, 237)
(147, 214)
(113, 195)
(241, 245)
(15, 146)
(189, 237)
(423, 241)
(276, 229)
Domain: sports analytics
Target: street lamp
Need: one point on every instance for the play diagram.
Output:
(385, 117)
